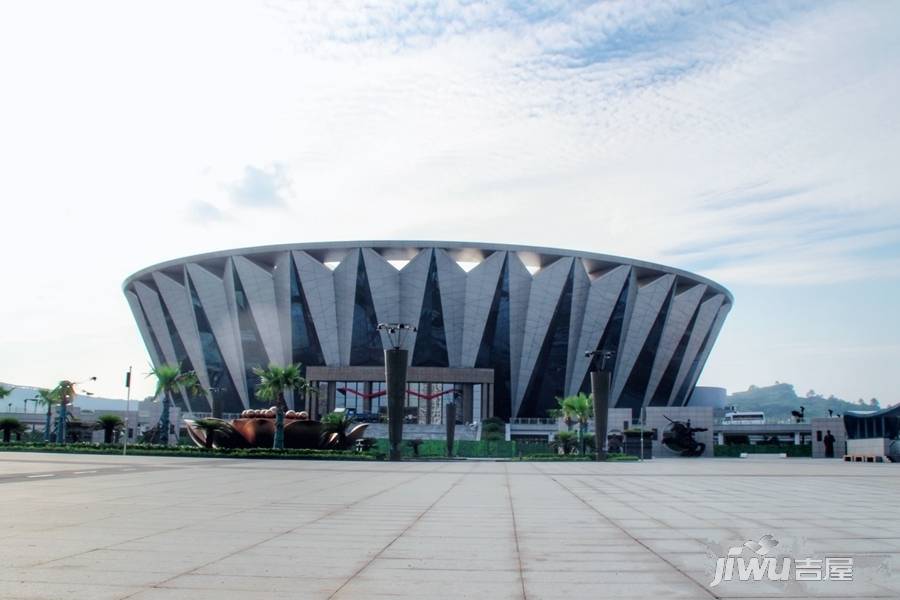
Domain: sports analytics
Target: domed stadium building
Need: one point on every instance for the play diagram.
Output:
(501, 329)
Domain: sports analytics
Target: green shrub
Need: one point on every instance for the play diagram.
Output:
(555, 457)
(620, 457)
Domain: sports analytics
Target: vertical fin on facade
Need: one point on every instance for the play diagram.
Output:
(430, 349)
(547, 288)
(318, 285)
(651, 298)
(253, 348)
(605, 294)
(147, 334)
(684, 306)
(223, 390)
(697, 367)
(366, 347)
(346, 275)
(581, 286)
(413, 278)
(150, 302)
(519, 293)
(305, 346)
(481, 284)
(282, 276)
(547, 375)
(210, 293)
(453, 297)
(384, 285)
(494, 351)
(177, 299)
(706, 315)
(259, 288)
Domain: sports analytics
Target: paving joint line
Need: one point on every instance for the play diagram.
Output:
(332, 512)
(637, 541)
(397, 537)
(512, 511)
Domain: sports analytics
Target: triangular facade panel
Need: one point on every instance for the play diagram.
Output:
(453, 297)
(481, 282)
(684, 305)
(602, 296)
(319, 290)
(178, 300)
(647, 304)
(706, 316)
(545, 291)
(211, 293)
(412, 292)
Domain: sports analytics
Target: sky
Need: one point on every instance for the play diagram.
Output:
(754, 143)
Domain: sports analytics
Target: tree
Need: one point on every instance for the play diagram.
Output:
(565, 412)
(9, 426)
(210, 427)
(873, 402)
(47, 398)
(493, 429)
(582, 409)
(4, 392)
(336, 426)
(109, 424)
(169, 380)
(273, 381)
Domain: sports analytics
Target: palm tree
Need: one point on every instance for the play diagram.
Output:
(581, 407)
(273, 381)
(109, 424)
(564, 411)
(170, 380)
(9, 426)
(336, 426)
(4, 392)
(47, 398)
(210, 427)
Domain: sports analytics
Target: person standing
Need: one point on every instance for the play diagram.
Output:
(828, 440)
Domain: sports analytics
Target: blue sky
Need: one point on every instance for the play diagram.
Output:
(754, 143)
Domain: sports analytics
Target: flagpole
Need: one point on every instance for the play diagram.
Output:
(127, 410)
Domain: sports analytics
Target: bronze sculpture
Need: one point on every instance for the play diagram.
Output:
(256, 429)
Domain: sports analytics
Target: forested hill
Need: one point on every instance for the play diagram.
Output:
(778, 400)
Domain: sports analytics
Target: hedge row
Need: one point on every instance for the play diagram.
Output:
(461, 448)
(189, 451)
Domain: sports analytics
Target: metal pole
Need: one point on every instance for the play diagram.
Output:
(600, 381)
(451, 426)
(395, 360)
(642, 433)
(127, 410)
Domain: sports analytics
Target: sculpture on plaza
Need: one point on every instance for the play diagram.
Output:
(680, 438)
(256, 429)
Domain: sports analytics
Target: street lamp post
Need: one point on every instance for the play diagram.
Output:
(127, 410)
(600, 383)
(395, 359)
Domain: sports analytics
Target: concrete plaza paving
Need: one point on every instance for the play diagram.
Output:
(101, 527)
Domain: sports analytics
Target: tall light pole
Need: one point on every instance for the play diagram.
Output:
(600, 383)
(395, 359)
(127, 410)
